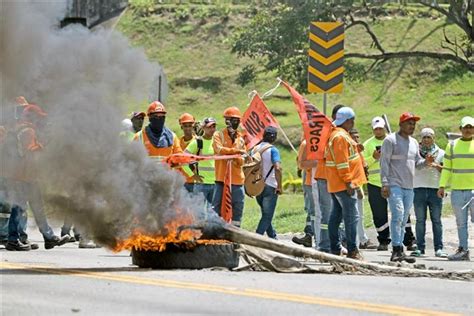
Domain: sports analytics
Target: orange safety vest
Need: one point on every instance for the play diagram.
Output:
(343, 161)
(223, 145)
(155, 153)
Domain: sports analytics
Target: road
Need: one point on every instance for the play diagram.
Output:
(68, 280)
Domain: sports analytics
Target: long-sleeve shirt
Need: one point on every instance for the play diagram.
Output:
(223, 145)
(398, 160)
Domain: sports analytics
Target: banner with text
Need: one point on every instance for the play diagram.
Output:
(255, 119)
(316, 125)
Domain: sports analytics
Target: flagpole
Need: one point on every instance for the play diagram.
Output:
(288, 140)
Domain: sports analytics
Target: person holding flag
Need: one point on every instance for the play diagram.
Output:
(229, 201)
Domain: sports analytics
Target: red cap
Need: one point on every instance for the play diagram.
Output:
(138, 114)
(33, 108)
(408, 116)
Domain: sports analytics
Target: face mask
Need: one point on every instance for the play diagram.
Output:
(234, 123)
(157, 123)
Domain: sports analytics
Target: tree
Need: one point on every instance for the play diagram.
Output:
(278, 33)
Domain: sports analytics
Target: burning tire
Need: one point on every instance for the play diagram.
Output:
(200, 257)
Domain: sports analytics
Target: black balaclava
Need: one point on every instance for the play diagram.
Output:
(232, 122)
(157, 123)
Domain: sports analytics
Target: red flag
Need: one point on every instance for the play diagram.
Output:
(255, 119)
(316, 125)
(226, 203)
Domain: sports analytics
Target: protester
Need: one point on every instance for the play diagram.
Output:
(378, 204)
(137, 119)
(204, 171)
(23, 187)
(399, 156)
(272, 173)
(345, 173)
(229, 141)
(186, 121)
(362, 240)
(159, 140)
(308, 167)
(426, 183)
(458, 175)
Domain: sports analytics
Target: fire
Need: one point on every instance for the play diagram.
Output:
(158, 242)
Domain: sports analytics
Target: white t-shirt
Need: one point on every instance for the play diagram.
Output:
(269, 157)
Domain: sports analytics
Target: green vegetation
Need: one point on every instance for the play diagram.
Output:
(193, 44)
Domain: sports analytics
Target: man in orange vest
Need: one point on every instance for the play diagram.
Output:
(187, 121)
(345, 173)
(230, 141)
(159, 141)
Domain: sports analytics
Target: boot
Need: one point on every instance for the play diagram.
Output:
(355, 254)
(460, 255)
(306, 240)
(33, 246)
(55, 241)
(396, 254)
(17, 246)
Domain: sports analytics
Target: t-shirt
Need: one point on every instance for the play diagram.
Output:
(206, 167)
(269, 158)
(399, 157)
(428, 177)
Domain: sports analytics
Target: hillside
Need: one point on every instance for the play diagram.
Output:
(193, 45)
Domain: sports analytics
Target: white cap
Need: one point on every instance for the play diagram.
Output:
(378, 122)
(127, 125)
(427, 132)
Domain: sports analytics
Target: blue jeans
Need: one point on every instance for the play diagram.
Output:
(267, 201)
(325, 205)
(238, 196)
(343, 206)
(309, 208)
(400, 202)
(427, 198)
(189, 187)
(207, 190)
(361, 235)
(4, 211)
(461, 201)
(17, 224)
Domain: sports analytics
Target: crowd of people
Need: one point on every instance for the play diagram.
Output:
(395, 170)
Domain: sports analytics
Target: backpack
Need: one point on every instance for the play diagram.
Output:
(195, 166)
(254, 179)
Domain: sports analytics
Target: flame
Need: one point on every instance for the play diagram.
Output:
(158, 242)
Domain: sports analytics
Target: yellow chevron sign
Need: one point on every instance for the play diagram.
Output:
(326, 57)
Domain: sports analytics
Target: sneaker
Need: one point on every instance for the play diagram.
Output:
(33, 246)
(17, 246)
(86, 243)
(441, 254)
(460, 255)
(306, 240)
(368, 245)
(417, 253)
(356, 255)
(71, 238)
(382, 247)
(55, 241)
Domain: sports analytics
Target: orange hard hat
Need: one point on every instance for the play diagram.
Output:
(35, 109)
(186, 118)
(232, 112)
(155, 107)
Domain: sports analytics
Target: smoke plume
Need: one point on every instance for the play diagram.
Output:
(81, 78)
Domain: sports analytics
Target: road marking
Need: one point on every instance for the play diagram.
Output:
(280, 296)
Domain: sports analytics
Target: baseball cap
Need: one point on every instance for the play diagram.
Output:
(378, 122)
(137, 114)
(270, 130)
(408, 116)
(467, 120)
(343, 114)
(209, 121)
(427, 132)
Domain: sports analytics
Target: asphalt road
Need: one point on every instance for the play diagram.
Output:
(68, 280)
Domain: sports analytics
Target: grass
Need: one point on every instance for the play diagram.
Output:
(192, 43)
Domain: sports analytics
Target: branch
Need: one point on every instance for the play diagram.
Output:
(367, 28)
(392, 55)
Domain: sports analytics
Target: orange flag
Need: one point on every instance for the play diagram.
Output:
(226, 204)
(255, 119)
(316, 125)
